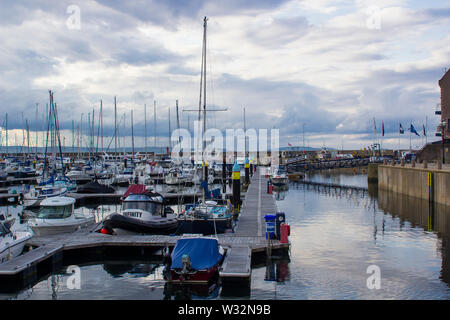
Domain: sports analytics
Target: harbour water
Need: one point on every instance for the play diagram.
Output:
(337, 235)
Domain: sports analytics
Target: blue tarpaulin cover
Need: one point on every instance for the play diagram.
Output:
(204, 253)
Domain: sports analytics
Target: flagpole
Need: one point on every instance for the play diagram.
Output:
(399, 139)
(410, 133)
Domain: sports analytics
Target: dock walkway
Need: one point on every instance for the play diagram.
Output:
(248, 238)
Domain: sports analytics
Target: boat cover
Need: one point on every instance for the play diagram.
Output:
(204, 253)
(135, 189)
(95, 187)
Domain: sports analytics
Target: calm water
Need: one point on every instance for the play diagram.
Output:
(335, 234)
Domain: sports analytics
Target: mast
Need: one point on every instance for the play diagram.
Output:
(178, 122)
(115, 126)
(205, 20)
(154, 120)
(101, 122)
(245, 137)
(145, 129)
(170, 131)
(132, 138)
(6, 133)
(37, 104)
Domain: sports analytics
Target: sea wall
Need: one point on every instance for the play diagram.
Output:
(423, 183)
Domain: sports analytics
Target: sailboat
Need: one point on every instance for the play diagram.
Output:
(55, 185)
(205, 217)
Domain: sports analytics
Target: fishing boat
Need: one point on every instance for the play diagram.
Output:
(143, 211)
(195, 260)
(11, 243)
(56, 215)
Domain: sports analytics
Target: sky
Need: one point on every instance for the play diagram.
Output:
(323, 68)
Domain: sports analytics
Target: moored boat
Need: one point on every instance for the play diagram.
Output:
(206, 218)
(143, 211)
(11, 243)
(56, 215)
(195, 260)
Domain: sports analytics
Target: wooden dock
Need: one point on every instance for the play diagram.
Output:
(248, 239)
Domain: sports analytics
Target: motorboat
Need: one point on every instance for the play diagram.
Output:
(39, 193)
(56, 215)
(143, 211)
(175, 176)
(206, 218)
(11, 243)
(78, 175)
(125, 178)
(195, 260)
(24, 172)
(279, 177)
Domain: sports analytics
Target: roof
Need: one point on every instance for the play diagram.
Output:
(57, 201)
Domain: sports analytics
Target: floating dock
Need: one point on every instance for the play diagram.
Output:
(49, 252)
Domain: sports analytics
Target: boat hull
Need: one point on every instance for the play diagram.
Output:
(199, 276)
(15, 249)
(48, 228)
(205, 226)
(159, 226)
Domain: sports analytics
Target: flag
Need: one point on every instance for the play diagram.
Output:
(290, 145)
(413, 130)
(424, 132)
(382, 128)
(400, 129)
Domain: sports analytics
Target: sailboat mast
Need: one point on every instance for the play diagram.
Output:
(145, 129)
(37, 104)
(101, 123)
(115, 126)
(170, 131)
(178, 122)
(132, 138)
(154, 119)
(6, 133)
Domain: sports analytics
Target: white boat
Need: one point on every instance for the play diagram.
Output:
(78, 175)
(57, 215)
(11, 243)
(39, 193)
(279, 177)
(125, 178)
(175, 176)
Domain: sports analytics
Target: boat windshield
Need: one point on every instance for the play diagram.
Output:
(57, 212)
(3, 230)
(153, 208)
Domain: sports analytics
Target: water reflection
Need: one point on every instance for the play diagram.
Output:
(420, 213)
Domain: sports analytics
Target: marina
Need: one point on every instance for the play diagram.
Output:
(248, 238)
(306, 159)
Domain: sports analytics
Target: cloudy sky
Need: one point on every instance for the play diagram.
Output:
(328, 66)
